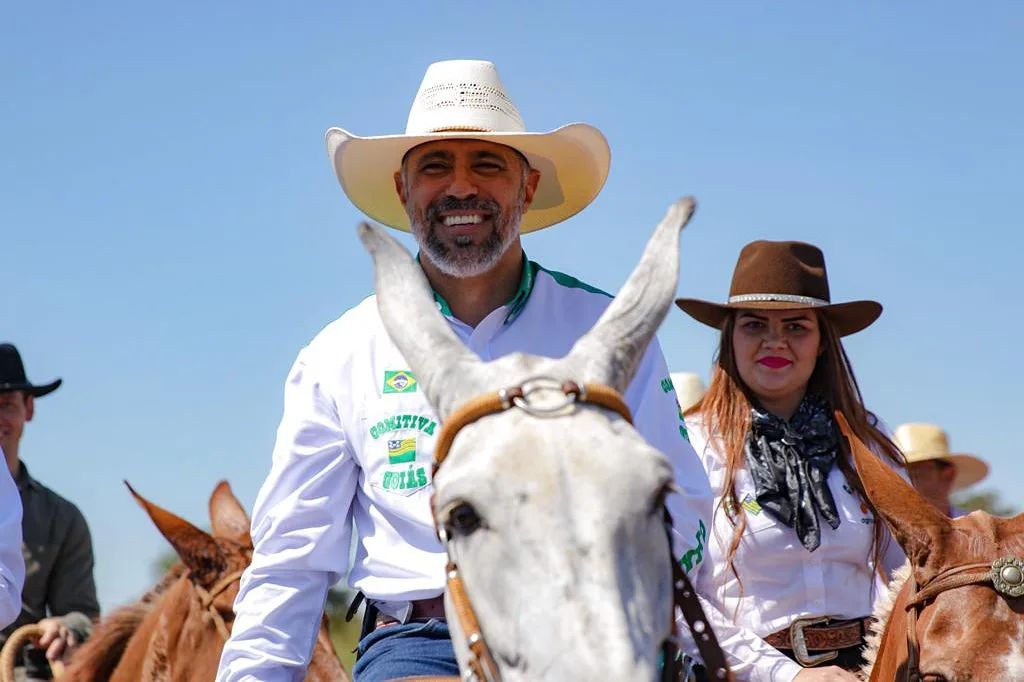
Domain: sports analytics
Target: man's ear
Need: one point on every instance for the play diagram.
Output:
(30, 406)
(532, 180)
(400, 187)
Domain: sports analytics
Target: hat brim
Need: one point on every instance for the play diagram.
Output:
(969, 469)
(847, 318)
(35, 391)
(573, 162)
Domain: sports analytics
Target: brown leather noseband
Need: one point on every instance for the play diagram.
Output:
(481, 662)
(1005, 576)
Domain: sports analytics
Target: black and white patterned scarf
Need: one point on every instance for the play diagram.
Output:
(790, 463)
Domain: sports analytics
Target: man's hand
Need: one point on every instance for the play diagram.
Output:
(829, 674)
(57, 639)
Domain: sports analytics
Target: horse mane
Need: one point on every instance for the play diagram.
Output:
(883, 611)
(99, 655)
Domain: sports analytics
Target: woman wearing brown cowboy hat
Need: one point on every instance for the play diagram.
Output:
(794, 542)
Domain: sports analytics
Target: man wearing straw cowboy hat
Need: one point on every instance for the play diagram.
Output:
(357, 435)
(59, 591)
(935, 471)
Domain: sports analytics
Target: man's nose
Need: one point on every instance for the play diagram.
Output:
(462, 185)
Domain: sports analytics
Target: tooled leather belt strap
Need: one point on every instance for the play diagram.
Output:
(838, 635)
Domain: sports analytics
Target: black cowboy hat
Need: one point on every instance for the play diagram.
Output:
(12, 374)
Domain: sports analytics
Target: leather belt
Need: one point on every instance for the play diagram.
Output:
(820, 634)
(422, 609)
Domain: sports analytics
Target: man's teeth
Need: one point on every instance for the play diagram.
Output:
(462, 220)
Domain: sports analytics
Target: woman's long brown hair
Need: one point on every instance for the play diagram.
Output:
(725, 410)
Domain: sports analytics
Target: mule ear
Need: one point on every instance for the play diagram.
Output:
(449, 372)
(228, 517)
(611, 352)
(196, 548)
(911, 519)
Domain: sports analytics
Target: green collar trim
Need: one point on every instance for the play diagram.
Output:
(526, 282)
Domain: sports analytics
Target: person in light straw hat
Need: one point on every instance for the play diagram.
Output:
(357, 437)
(935, 471)
(794, 543)
(689, 389)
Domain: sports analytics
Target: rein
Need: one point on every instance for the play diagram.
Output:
(1004, 575)
(206, 598)
(481, 662)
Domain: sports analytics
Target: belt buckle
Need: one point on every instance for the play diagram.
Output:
(796, 638)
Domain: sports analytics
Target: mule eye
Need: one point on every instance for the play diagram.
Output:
(462, 519)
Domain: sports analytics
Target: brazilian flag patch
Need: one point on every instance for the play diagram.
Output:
(399, 381)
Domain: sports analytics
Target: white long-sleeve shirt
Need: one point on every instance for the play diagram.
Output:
(12, 562)
(356, 442)
(781, 580)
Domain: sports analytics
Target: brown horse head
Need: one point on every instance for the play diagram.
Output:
(177, 631)
(948, 609)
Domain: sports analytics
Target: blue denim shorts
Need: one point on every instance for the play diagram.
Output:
(415, 648)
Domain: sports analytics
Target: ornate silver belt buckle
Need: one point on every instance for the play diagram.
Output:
(796, 638)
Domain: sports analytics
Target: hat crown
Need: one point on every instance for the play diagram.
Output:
(463, 94)
(782, 268)
(922, 440)
(689, 388)
(12, 370)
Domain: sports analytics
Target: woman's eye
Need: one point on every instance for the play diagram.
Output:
(462, 519)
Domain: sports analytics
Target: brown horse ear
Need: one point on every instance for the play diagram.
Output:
(911, 519)
(196, 548)
(228, 517)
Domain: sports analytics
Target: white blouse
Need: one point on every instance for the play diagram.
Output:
(779, 580)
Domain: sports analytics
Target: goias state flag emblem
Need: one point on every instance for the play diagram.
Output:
(401, 450)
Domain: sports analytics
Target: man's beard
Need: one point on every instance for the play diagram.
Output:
(464, 258)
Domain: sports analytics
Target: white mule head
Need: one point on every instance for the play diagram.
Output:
(556, 523)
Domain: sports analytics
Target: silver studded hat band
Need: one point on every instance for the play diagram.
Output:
(808, 301)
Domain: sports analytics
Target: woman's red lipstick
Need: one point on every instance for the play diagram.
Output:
(775, 362)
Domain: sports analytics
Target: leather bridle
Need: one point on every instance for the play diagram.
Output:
(206, 598)
(481, 662)
(1004, 575)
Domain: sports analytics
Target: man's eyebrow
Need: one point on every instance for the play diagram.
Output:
(436, 155)
(484, 155)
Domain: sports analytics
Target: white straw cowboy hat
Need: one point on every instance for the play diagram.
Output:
(689, 389)
(465, 99)
(923, 442)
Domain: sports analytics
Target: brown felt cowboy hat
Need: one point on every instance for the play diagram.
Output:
(12, 374)
(782, 276)
(924, 442)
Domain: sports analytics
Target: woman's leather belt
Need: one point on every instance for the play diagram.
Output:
(820, 634)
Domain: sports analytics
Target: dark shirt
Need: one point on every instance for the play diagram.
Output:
(58, 560)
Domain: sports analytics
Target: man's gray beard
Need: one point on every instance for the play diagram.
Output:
(466, 259)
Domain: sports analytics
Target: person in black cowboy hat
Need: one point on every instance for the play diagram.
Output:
(59, 591)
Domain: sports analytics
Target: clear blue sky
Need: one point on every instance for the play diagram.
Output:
(173, 233)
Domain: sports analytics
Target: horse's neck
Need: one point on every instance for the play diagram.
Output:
(150, 648)
(886, 651)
